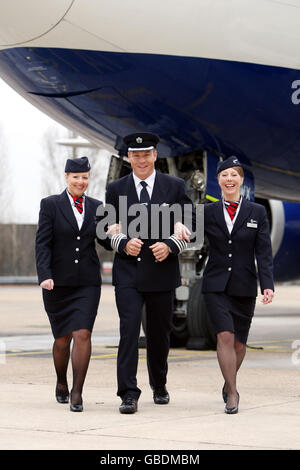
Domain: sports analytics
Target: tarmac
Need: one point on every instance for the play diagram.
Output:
(194, 420)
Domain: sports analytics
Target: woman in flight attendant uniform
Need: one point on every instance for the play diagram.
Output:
(69, 273)
(238, 233)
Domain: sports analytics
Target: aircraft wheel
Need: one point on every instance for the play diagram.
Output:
(201, 334)
(179, 331)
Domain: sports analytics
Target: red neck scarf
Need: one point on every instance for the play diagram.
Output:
(78, 203)
(231, 208)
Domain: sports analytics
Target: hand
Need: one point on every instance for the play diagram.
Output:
(113, 229)
(133, 247)
(47, 284)
(181, 232)
(268, 296)
(160, 250)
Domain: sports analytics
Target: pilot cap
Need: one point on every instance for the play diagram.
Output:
(228, 163)
(141, 141)
(77, 165)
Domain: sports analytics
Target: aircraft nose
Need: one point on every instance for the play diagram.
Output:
(26, 20)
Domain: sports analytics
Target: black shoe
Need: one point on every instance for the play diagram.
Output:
(128, 406)
(61, 397)
(161, 396)
(234, 409)
(224, 394)
(77, 407)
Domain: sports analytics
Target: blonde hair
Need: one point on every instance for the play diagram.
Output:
(239, 169)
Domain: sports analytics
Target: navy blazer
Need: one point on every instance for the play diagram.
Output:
(231, 263)
(144, 272)
(63, 252)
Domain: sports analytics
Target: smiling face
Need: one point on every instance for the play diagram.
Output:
(230, 181)
(77, 183)
(142, 162)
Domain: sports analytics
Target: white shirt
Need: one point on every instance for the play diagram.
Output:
(229, 222)
(79, 217)
(150, 183)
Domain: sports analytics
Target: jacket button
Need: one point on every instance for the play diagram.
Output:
(76, 249)
(230, 255)
(76, 261)
(78, 238)
(139, 259)
(229, 269)
(230, 241)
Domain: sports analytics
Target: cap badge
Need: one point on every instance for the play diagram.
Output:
(139, 140)
(235, 160)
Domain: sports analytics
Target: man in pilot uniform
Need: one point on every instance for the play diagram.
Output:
(145, 271)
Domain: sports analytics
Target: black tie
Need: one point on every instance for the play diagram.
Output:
(144, 196)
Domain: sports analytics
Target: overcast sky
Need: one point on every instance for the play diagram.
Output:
(23, 127)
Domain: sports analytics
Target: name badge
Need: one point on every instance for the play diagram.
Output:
(251, 225)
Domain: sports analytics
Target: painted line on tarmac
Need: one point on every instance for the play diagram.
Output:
(271, 346)
(262, 346)
(142, 354)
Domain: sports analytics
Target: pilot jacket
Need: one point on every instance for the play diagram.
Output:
(63, 252)
(231, 263)
(144, 272)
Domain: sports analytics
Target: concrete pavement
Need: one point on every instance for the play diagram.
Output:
(269, 386)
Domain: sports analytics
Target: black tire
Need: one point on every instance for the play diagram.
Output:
(179, 331)
(198, 321)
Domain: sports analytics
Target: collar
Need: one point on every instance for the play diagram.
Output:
(150, 180)
(71, 197)
(239, 202)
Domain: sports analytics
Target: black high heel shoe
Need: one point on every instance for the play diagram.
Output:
(234, 409)
(75, 407)
(61, 397)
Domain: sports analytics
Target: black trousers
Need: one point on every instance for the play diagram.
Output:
(159, 310)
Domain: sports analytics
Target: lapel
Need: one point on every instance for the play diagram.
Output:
(132, 197)
(159, 189)
(66, 209)
(220, 219)
(244, 212)
(88, 213)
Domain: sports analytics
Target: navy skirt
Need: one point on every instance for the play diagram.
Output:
(71, 308)
(230, 313)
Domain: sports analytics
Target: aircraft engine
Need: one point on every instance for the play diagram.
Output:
(284, 218)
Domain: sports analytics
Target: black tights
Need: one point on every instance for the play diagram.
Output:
(230, 353)
(80, 358)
